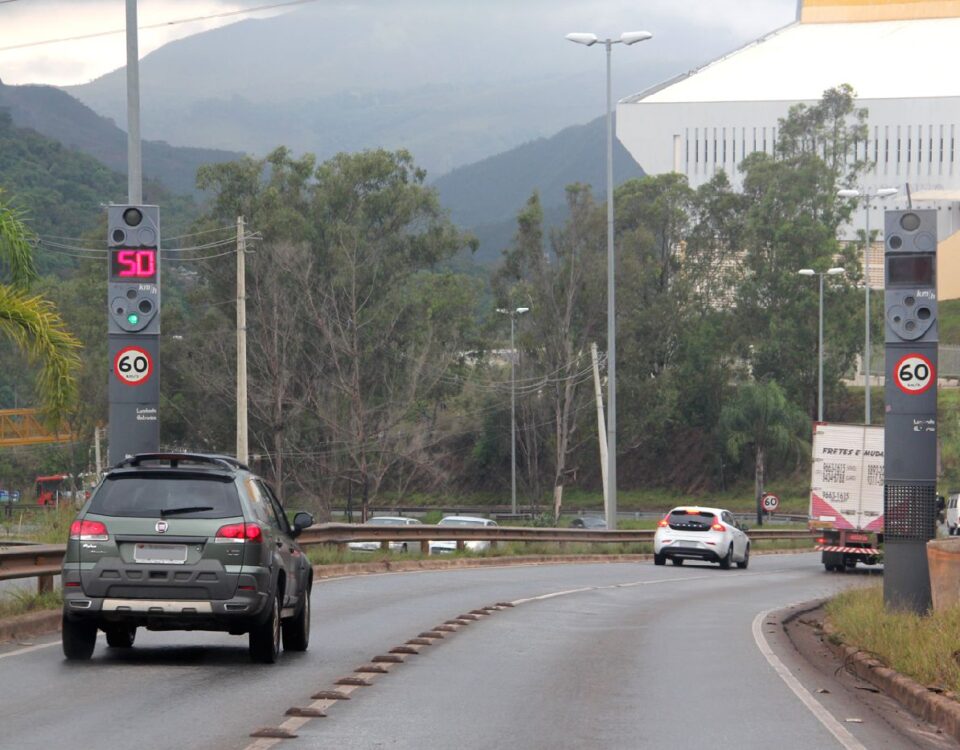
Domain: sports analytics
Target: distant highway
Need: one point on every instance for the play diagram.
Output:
(600, 656)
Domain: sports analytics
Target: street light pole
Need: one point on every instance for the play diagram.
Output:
(513, 407)
(589, 39)
(811, 272)
(853, 193)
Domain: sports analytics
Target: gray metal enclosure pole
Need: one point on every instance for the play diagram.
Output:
(611, 319)
(134, 167)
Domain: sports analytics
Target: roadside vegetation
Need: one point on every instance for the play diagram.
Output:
(22, 601)
(926, 648)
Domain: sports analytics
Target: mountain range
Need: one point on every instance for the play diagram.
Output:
(453, 83)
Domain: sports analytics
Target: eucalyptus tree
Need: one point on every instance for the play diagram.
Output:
(791, 221)
(560, 278)
(390, 325)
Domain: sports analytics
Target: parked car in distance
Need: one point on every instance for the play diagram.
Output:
(695, 533)
(383, 521)
(181, 541)
(588, 522)
(446, 547)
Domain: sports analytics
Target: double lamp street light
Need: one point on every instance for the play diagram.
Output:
(821, 274)
(589, 39)
(867, 197)
(513, 406)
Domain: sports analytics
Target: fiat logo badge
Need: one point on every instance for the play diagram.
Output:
(161, 527)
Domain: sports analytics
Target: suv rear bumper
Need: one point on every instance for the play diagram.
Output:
(146, 606)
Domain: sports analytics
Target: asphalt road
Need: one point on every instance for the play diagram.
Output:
(632, 656)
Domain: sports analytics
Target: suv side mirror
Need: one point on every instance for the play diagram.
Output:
(301, 521)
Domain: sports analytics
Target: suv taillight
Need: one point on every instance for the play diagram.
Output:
(717, 526)
(89, 531)
(240, 532)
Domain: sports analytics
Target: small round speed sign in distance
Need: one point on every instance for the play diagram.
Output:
(770, 502)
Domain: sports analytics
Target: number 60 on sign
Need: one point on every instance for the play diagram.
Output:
(914, 374)
(133, 365)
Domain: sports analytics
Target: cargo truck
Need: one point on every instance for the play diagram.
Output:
(846, 494)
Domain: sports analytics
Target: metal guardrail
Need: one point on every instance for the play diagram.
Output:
(43, 561)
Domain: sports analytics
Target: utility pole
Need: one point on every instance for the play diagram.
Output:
(601, 428)
(242, 447)
(98, 461)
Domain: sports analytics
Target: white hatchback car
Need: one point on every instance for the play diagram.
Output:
(695, 533)
(384, 521)
(446, 547)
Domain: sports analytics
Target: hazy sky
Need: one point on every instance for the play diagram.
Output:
(26, 22)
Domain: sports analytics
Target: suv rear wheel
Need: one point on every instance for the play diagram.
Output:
(265, 637)
(79, 639)
(121, 636)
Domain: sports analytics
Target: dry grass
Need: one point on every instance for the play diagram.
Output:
(21, 601)
(924, 648)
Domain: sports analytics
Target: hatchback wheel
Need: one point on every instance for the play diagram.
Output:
(296, 630)
(728, 558)
(121, 636)
(677, 561)
(265, 637)
(79, 639)
(746, 559)
(659, 559)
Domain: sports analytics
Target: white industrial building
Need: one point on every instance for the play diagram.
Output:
(901, 57)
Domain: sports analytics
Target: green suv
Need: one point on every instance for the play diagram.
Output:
(183, 541)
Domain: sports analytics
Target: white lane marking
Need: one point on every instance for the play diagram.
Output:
(629, 584)
(28, 649)
(816, 708)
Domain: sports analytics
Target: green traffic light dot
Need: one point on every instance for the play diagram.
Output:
(133, 319)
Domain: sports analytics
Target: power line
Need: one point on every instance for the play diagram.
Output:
(162, 24)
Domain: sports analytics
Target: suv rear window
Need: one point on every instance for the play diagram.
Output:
(689, 520)
(152, 496)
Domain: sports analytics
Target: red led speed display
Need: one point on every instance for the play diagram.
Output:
(133, 265)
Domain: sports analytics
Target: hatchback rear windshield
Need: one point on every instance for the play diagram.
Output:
(690, 520)
(153, 496)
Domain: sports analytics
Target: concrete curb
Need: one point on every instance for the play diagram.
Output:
(29, 625)
(940, 709)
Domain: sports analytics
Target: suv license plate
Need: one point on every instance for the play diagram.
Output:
(166, 554)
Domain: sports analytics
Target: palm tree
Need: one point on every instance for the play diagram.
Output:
(32, 322)
(760, 417)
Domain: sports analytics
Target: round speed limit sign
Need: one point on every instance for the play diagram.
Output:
(914, 374)
(133, 366)
(770, 503)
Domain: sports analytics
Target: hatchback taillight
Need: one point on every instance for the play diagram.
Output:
(89, 531)
(717, 526)
(240, 532)
(663, 523)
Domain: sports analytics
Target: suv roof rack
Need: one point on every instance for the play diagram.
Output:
(225, 462)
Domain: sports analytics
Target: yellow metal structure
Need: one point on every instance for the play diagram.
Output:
(25, 427)
(858, 11)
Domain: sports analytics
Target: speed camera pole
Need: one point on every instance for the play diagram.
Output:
(910, 395)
